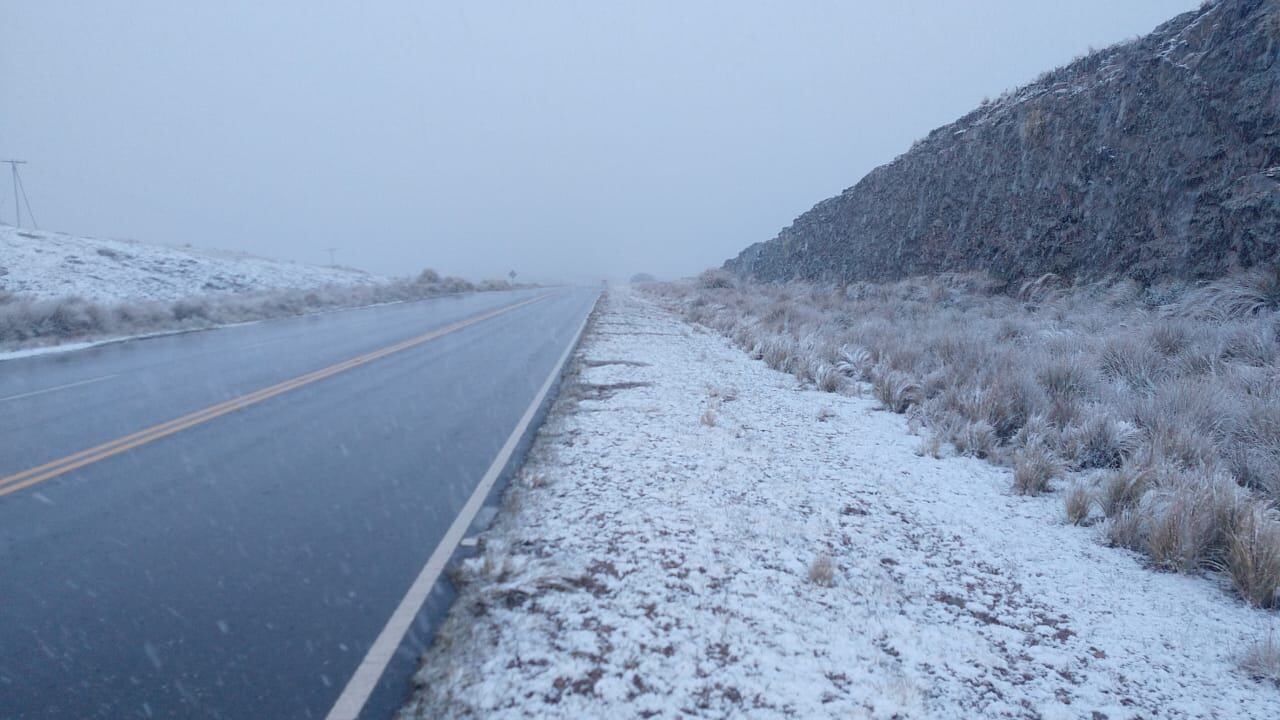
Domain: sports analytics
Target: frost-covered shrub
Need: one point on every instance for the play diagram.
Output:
(198, 308)
(711, 279)
(1099, 442)
(456, 285)
(492, 284)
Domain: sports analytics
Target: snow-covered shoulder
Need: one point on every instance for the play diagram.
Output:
(695, 534)
(48, 265)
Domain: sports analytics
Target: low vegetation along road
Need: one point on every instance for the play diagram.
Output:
(246, 522)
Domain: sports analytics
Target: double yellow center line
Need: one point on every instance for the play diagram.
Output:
(35, 475)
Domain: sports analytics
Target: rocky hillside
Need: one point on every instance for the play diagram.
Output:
(1155, 158)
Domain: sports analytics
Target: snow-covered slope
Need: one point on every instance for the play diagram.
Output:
(49, 264)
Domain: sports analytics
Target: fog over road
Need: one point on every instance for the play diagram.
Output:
(220, 523)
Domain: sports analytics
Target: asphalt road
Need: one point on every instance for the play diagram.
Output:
(240, 563)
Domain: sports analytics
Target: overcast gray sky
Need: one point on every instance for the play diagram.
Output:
(566, 140)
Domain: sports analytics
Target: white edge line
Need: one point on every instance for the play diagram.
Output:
(57, 388)
(362, 683)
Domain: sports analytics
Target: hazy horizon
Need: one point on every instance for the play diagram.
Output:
(566, 141)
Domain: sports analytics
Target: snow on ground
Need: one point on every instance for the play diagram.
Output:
(650, 565)
(49, 264)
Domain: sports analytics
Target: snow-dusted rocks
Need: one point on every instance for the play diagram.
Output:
(652, 563)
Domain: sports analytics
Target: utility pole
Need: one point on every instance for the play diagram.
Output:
(331, 251)
(17, 187)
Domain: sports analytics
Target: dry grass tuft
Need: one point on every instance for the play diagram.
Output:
(822, 571)
(1124, 488)
(828, 378)
(1234, 298)
(778, 354)
(1100, 442)
(1065, 377)
(896, 391)
(855, 363)
(1126, 529)
(929, 445)
(1253, 557)
(1078, 501)
(976, 439)
(1034, 468)
(1189, 522)
(1128, 359)
(726, 393)
(1262, 660)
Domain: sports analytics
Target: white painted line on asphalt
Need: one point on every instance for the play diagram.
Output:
(56, 388)
(264, 343)
(366, 677)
